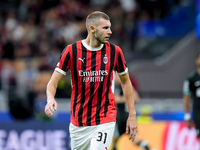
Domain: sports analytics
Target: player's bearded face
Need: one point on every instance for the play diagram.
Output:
(103, 31)
(100, 38)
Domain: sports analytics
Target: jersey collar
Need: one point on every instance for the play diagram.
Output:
(91, 48)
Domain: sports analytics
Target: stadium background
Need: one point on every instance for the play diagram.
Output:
(160, 40)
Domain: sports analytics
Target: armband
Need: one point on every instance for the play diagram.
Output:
(187, 116)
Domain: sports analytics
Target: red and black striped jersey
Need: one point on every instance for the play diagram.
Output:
(92, 75)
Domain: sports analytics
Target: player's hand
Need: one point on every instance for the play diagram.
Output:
(131, 127)
(189, 124)
(50, 107)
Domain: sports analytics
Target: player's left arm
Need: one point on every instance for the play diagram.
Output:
(129, 94)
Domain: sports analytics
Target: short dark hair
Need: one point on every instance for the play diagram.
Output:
(94, 16)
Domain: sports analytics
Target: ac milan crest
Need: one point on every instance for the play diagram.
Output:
(105, 59)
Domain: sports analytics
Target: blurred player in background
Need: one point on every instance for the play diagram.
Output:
(92, 62)
(122, 115)
(191, 90)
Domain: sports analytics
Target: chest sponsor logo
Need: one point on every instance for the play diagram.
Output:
(93, 76)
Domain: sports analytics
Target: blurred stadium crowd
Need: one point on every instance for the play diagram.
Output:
(33, 33)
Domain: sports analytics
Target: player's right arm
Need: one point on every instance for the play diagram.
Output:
(51, 105)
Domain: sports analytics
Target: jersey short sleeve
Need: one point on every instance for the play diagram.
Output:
(121, 66)
(64, 63)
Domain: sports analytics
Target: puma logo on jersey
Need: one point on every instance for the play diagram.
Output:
(81, 59)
